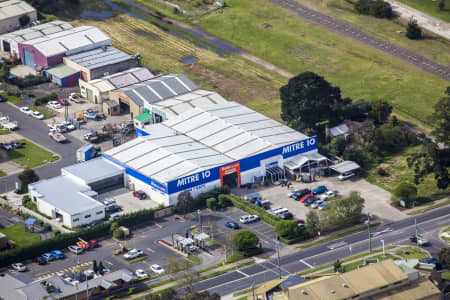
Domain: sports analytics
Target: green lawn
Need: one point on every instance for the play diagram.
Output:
(2, 174)
(4, 131)
(354, 265)
(398, 171)
(414, 252)
(446, 275)
(43, 111)
(280, 37)
(419, 211)
(18, 234)
(12, 99)
(430, 7)
(31, 155)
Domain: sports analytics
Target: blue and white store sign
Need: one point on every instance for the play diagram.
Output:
(246, 164)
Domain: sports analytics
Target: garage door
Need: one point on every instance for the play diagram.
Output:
(29, 58)
(108, 184)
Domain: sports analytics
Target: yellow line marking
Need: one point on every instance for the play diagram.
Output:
(151, 250)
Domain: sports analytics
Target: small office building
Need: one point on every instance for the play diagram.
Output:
(63, 75)
(10, 13)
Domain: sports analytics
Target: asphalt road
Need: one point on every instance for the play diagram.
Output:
(392, 233)
(346, 30)
(37, 131)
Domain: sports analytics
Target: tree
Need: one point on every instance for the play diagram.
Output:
(26, 177)
(337, 265)
(4, 72)
(441, 116)
(405, 191)
(185, 202)
(101, 269)
(312, 222)
(308, 101)
(118, 234)
(380, 111)
(413, 31)
(441, 5)
(345, 211)
(358, 156)
(113, 227)
(444, 258)
(337, 145)
(289, 229)
(381, 9)
(211, 203)
(95, 267)
(245, 241)
(176, 264)
(356, 111)
(24, 20)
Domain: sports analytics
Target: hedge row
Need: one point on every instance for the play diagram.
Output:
(66, 239)
(253, 209)
(44, 99)
(29, 80)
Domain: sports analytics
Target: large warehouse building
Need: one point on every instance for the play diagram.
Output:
(209, 146)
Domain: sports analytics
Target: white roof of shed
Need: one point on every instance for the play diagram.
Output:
(37, 31)
(13, 8)
(122, 79)
(94, 169)
(68, 40)
(203, 138)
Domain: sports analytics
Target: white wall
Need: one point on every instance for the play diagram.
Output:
(153, 193)
(70, 220)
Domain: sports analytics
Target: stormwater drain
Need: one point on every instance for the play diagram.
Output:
(96, 15)
(189, 59)
(146, 33)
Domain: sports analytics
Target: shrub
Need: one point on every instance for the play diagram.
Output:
(56, 233)
(118, 234)
(224, 201)
(245, 241)
(200, 201)
(45, 98)
(290, 230)
(211, 203)
(377, 8)
(29, 80)
(13, 90)
(254, 210)
(413, 31)
(382, 172)
(48, 227)
(113, 227)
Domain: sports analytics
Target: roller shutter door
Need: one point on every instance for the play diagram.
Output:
(108, 184)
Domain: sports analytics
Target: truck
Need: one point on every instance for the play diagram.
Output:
(58, 137)
(6, 123)
(86, 245)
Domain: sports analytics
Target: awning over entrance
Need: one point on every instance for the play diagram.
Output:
(299, 160)
(345, 166)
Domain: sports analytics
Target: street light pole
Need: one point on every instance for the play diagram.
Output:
(370, 236)
(417, 231)
(200, 220)
(278, 253)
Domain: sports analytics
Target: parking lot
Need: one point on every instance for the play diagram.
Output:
(377, 200)
(125, 199)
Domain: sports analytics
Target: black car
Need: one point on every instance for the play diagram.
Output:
(6, 146)
(232, 225)
(2, 99)
(286, 216)
(310, 201)
(301, 193)
(112, 208)
(17, 145)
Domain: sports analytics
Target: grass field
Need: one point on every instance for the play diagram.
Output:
(278, 36)
(430, 7)
(413, 252)
(2, 174)
(233, 77)
(12, 99)
(4, 131)
(31, 155)
(18, 234)
(354, 265)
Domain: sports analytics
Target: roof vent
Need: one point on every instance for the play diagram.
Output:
(303, 292)
(345, 285)
(333, 291)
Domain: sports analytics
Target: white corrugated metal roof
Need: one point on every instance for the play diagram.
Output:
(14, 8)
(69, 40)
(202, 138)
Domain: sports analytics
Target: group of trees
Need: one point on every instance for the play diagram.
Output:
(186, 203)
(342, 211)
(376, 8)
(51, 6)
(171, 294)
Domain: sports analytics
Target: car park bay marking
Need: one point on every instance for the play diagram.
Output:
(108, 262)
(151, 250)
(239, 271)
(307, 264)
(160, 226)
(337, 245)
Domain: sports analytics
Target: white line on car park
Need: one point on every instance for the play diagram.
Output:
(337, 245)
(307, 264)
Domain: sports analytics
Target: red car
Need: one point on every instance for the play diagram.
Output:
(306, 197)
(140, 194)
(62, 101)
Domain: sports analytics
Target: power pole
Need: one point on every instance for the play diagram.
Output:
(370, 235)
(417, 231)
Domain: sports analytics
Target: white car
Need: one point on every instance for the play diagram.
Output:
(248, 219)
(328, 194)
(316, 204)
(54, 104)
(291, 193)
(26, 110)
(75, 249)
(37, 115)
(346, 175)
(71, 281)
(141, 273)
(323, 206)
(157, 269)
(19, 267)
(133, 254)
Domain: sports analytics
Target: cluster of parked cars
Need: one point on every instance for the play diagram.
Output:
(281, 212)
(35, 114)
(11, 146)
(312, 198)
(155, 268)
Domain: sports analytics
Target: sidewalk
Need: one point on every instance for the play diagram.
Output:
(174, 283)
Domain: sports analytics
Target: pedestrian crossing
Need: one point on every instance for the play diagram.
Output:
(66, 270)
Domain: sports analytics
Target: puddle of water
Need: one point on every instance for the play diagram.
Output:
(96, 15)
(189, 59)
(146, 33)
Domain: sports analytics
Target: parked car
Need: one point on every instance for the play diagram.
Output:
(140, 194)
(26, 110)
(71, 281)
(48, 257)
(316, 204)
(2, 99)
(157, 269)
(293, 192)
(432, 261)
(300, 223)
(306, 197)
(420, 240)
(93, 223)
(54, 104)
(310, 200)
(19, 267)
(75, 98)
(140, 273)
(286, 216)
(90, 114)
(62, 101)
(301, 193)
(346, 175)
(113, 208)
(134, 253)
(319, 190)
(248, 219)
(37, 115)
(232, 225)
(58, 254)
(100, 117)
(328, 195)
(6, 146)
(75, 249)
(17, 144)
(40, 260)
(91, 137)
(323, 206)
(115, 216)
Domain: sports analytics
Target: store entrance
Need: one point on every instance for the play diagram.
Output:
(231, 180)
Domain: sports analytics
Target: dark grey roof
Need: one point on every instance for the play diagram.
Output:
(159, 88)
(9, 287)
(99, 57)
(291, 281)
(111, 103)
(93, 169)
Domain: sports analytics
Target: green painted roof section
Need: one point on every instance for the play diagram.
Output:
(142, 117)
(61, 71)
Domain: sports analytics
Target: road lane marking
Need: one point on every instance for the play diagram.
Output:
(108, 262)
(337, 245)
(239, 271)
(307, 264)
(158, 225)
(151, 250)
